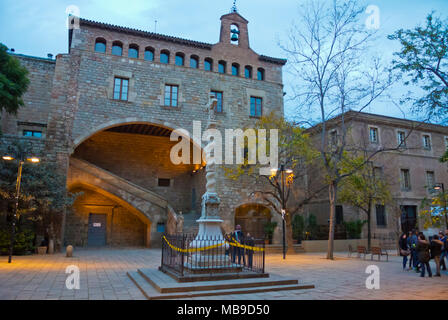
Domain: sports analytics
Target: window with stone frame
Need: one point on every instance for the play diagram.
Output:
(171, 95)
(401, 138)
(430, 180)
(149, 54)
(373, 135)
(100, 45)
(380, 211)
(256, 107)
(208, 64)
(426, 141)
(121, 88)
(405, 178)
(117, 48)
(219, 96)
(32, 133)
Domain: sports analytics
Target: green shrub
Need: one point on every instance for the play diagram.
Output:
(23, 244)
(354, 228)
(298, 227)
(269, 228)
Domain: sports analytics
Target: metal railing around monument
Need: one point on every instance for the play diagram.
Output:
(188, 254)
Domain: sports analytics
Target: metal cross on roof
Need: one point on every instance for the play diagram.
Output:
(234, 9)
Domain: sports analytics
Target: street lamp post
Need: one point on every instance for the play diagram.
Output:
(283, 200)
(16, 207)
(440, 186)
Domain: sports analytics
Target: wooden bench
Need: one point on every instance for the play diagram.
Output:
(361, 250)
(350, 250)
(379, 252)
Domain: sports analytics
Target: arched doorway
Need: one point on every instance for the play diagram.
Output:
(252, 217)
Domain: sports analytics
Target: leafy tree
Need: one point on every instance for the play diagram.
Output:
(43, 195)
(13, 82)
(423, 60)
(363, 189)
(434, 210)
(296, 153)
(354, 228)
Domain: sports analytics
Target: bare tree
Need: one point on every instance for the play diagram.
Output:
(328, 52)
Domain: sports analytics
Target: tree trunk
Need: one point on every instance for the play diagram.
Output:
(332, 189)
(289, 239)
(369, 227)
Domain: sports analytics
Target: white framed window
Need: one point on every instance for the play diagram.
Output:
(401, 138)
(426, 138)
(373, 135)
(430, 180)
(405, 179)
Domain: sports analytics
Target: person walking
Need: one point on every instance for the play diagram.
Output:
(238, 237)
(413, 246)
(436, 251)
(411, 258)
(422, 249)
(443, 238)
(249, 241)
(404, 249)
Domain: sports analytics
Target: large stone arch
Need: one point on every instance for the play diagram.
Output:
(126, 121)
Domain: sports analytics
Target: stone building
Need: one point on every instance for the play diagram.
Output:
(105, 110)
(411, 171)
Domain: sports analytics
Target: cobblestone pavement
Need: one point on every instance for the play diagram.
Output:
(103, 276)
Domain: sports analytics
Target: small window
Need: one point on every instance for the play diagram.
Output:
(161, 227)
(378, 172)
(222, 67)
(194, 62)
(334, 137)
(218, 96)
(32, 133)
(121, 86)
(163, 182)
(133, 51)
(171, 94)
(179, 60)
(165, 57)
(235, 69)
(248, 72)
(208, 64)
(117, 48)
(430, 180)
(380, 215)
(339, 214)
(405, 179)
(100, 45)
(260, 74)
(256, 106)
(149, 54)
(373, 134)
(401, 138)
(427, 142)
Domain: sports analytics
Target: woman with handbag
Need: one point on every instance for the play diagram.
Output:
(404, 249)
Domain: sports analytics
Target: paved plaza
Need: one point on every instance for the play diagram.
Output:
(103, 276)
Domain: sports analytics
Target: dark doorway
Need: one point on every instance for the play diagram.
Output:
(97, 230)
(339, 215)
(408, 218)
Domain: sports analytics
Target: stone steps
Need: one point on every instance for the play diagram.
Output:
(155, 284)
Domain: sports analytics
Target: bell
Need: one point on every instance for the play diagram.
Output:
(234, 37)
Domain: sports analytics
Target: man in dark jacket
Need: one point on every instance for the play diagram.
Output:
(436, 251)
(443, 238)
(423, 255)
(413, 245)
(238, 237)
(250, 241)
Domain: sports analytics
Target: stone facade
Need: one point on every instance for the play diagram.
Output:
(71, 100)
(421, 161)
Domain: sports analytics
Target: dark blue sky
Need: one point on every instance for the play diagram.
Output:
(39, 27)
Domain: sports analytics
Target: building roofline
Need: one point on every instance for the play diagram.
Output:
(151, 35)
(162, 37)
(364, 116)
(49, 60)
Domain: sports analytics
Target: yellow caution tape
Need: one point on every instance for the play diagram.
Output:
(233, 243)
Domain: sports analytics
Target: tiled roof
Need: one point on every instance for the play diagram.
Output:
(273, 60)
(152, 35)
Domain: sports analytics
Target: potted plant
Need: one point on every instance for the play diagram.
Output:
(269, 228)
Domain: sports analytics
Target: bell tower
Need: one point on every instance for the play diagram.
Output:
(234, 29)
